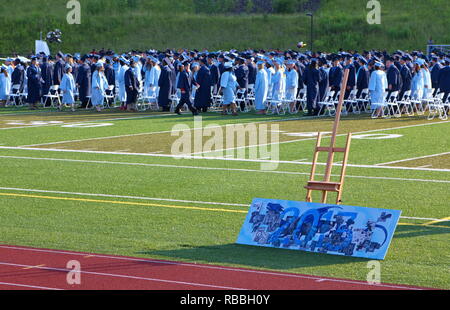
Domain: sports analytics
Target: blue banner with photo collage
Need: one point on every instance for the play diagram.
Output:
(321, 228)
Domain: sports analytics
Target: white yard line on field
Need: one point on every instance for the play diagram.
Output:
(315, 138)
(158, 199)
(218, 169)
(413, 158)
(215, 158)
(154, 132)
(89, 121)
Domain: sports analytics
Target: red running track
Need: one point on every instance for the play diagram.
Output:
(23, 268)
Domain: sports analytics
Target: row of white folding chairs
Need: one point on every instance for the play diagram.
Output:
(17, 97)
(412, 105)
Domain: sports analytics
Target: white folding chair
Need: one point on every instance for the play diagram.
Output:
(392, 106)
(15, 98)
(405, 102)
(327, 106)
(352, 102)
(53, 95)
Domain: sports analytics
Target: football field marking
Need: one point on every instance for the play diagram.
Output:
(116, 202)
(158, 199)
(437, 221)
(413, 158)
(89, 121)
(325, 137)
(213, 158)
(155, 132)
(218, 169)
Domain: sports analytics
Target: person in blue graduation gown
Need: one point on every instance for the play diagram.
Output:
(83, 82)
(68, 88)
(241, 73)
(165, 86)
(393, 77)
(435, 68)
(132, 86)
(4, 85)
(444, 79)
(228, 83)
(215, 73)
(324, 82)
(261, 89)
(406, 77)
(155, 73)
(377, 87)
(18, 77)
(18, 74)
(252, 71)
(99, 86)
(47, 70)
(203, 94)
(351, 82)
(312, 79)
(185, 87)
(58, 69)
(362, 77)
(34, 84)
(335, 76)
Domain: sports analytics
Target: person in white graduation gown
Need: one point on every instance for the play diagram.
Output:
(261, 89)
(123, 62)
(68, 88)
(228, 84)
(418, 81)
(99, 86)
(291, 84)
(377, 87)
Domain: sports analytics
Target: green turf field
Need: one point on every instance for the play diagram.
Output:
(115, 189)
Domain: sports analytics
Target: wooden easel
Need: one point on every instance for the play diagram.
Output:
(326, 185)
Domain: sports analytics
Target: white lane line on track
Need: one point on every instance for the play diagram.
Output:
(289, 275)
(156, 199)
(31, 286)
(215, 158)
(413, 158)
(125, 276)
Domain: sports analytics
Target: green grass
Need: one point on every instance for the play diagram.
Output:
(124, 25)
(418, 255)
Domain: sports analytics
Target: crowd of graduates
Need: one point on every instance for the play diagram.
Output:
(199, 76)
